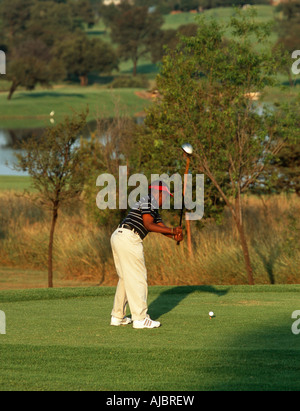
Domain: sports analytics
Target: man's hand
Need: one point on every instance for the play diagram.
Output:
(178, 234)
(178, 237)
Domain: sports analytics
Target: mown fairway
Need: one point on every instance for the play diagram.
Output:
(60, 339)
(15, 183)
(33, 109)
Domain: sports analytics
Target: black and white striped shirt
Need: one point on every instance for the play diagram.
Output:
(146, 205)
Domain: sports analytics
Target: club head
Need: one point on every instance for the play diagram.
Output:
(187, 148)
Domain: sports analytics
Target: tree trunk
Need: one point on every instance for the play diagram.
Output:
(12, 89)
(134, 73)
(291, 81)
(240, 226)
(50, 252)
(244, 244)
(84, 81)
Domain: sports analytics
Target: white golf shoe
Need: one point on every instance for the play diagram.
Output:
(117, 321)
(146, 323)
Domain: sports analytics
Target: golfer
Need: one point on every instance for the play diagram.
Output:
(128, 253)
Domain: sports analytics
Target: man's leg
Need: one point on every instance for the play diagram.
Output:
(120, 301)
(130, 258)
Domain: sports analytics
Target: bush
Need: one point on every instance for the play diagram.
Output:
(130, 82)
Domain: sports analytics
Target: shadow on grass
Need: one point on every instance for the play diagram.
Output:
(96, 32)
(43, 94)
(144, 69)
(169, 299)
(266, 358)
(295, 82)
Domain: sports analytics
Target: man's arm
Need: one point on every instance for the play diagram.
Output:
(149, 224)
(166, 235)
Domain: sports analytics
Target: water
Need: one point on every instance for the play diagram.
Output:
(10, 138)
(7, 155)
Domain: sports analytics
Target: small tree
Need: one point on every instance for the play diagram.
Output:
(206, 86)
(54, 162)
(288, 30)
(135, 30)
(30, 63)
(82, 56)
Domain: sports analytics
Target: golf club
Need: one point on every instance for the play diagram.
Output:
(188, 150)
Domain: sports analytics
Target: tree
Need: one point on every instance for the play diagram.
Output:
(84, 12)
(170, 38)
(82, 56)
(282, 174)
(135, 30)
(54, 164)
(50, 21)
(206, 86)
(14, 15)
(287, 169)
(288, 29)
(30, 63)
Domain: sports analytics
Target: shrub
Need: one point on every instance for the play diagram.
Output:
(130, 82)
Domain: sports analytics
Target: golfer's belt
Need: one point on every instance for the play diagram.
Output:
(128, 227)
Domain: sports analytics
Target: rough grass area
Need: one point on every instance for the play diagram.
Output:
(60, 339)
(82, 249)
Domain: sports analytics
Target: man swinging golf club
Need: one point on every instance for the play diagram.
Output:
(127, 248)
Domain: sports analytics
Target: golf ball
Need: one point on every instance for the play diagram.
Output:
(211, 313)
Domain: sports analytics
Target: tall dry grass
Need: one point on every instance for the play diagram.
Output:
(82, 250)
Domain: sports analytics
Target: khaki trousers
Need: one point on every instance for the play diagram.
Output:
(132, 288)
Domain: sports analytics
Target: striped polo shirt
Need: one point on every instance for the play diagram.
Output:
(146, 205)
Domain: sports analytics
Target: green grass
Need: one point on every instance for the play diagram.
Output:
(14, 183)
(32, 109)
(60, 339)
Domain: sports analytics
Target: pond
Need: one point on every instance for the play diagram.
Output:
(9, 139)
(7, 155)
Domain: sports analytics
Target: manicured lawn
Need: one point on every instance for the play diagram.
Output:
(60, 339)
(14, 183)
(32, 109)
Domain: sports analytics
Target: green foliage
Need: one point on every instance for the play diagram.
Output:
(288, 30)
(31, 63)
(130, 82)
(135, 30)
(84, 12)
(53, 162)
(206, 83)
(81, 56)
(108, 148)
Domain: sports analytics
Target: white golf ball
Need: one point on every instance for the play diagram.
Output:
(52, 113)
(211, 314)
